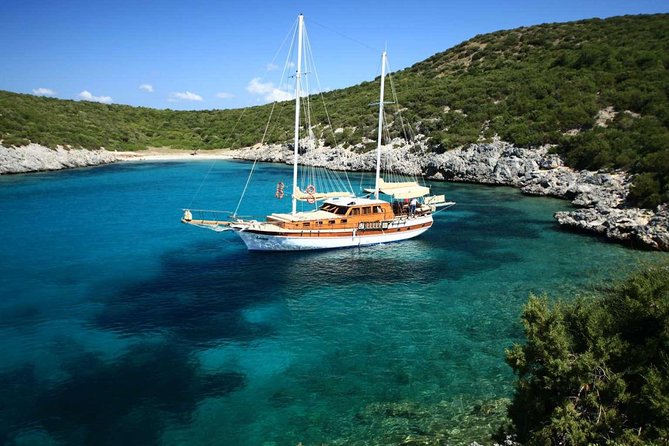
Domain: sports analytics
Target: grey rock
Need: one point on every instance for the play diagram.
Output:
(35, 158)
(640, 227)
(601, 195)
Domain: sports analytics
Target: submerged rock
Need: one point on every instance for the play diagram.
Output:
(456, 421)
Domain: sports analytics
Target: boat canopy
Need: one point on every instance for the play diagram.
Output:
(300, 195)
(401, 190)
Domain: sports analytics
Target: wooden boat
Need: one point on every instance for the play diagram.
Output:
(342, 220)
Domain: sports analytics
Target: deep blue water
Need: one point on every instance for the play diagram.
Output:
(120, 325)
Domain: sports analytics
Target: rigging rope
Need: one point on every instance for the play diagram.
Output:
(211, 166)
(255, 162)
(344, 36)
(410, 136)
(395, 175)
(332, 181)
(269, 120)
(341, 184)
(292, 30)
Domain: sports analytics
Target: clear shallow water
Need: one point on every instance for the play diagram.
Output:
(120, 325)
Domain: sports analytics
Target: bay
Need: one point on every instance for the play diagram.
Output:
(120, 325)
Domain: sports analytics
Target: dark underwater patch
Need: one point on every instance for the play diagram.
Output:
(194, 298)
(20, 315)
(128, 401)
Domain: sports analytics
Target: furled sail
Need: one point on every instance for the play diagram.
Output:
(312, 195)
(401, 190)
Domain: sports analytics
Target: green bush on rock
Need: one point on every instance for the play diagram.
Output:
(595, 370)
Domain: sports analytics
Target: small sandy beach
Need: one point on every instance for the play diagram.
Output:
(167, 154)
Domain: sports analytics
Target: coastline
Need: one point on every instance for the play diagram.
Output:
(38, 158)
(598, 196)
(166, 154)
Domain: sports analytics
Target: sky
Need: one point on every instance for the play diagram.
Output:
(217, 54)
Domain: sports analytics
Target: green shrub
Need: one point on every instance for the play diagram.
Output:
(645, 191)
(595, 370)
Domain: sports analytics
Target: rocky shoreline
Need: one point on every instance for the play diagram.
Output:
(36, 158)
(599, 196)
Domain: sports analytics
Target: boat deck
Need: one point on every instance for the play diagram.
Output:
(302, 216)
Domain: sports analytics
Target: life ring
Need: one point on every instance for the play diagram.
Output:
(279, 190)
(310, 190)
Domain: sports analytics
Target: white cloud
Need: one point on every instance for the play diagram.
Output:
(257, 87)
(146, 87)
(88, 96)
(43, 92)
(272, 67)
(224, 95)
(185, 96)
(267, 90)
(279, 95)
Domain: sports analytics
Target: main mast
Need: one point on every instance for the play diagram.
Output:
(298, 75)
(378, 142)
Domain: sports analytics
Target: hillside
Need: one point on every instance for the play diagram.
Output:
(598, 89)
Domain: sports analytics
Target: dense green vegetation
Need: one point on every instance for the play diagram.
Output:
(547, 84)
(51, 122)
(596, 370)
(544, 84)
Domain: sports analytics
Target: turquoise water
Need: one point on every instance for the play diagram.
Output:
(120, 325)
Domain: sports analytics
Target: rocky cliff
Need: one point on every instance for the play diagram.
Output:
(35, 158)
(600, 196)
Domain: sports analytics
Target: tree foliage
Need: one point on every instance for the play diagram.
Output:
(595, 370)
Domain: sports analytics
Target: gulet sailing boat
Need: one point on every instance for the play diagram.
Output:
(342, 220)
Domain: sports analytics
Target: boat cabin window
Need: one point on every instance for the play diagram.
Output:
(354, 211)
(378, 210)
(367, 210)
(340, 210)
(306, 224)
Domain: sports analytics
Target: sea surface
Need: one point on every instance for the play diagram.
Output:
(120, 325)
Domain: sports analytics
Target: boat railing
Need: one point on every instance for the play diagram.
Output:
(208, 218)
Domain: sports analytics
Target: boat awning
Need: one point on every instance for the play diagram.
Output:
(400, 191)
(318, 196)
(407, 192)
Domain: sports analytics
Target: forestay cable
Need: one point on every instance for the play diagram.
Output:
(211, 166)
(255, 162)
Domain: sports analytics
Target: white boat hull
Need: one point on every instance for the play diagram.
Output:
(259, 241)
(343, 220)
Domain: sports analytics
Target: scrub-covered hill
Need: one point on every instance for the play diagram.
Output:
(596, 89)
